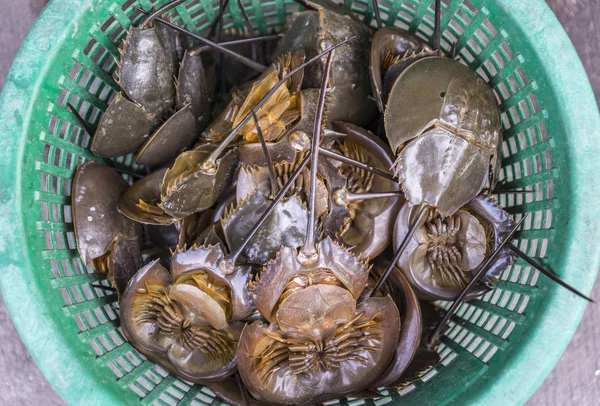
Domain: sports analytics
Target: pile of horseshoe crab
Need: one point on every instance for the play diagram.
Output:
(300, 204)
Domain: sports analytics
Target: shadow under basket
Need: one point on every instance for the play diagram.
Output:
(499, 348)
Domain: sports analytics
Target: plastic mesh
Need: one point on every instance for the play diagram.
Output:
(480, 331)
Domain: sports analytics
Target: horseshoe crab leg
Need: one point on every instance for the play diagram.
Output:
(263, 144)
(432, 339)
(546, 272)
(437, 35)
(246, 61)
(209, 166)
(344, 159)
(400, 250)
(308, 253)
(150, 18)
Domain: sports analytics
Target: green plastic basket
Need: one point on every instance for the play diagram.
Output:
(499, 349)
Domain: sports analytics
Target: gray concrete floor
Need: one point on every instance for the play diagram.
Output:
(574, 381)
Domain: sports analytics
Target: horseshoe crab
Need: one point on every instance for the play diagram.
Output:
(279, 367)
(327, 23)
(442, 252)
(106, 240)
(286, 226)
(174, 136)
(399, 289)
(186, 320)
(454, 120)
(445, 253)
(145, 73)
(271, 283)
(141, 201)
(145, 70)
(123, 128)
(193, 88)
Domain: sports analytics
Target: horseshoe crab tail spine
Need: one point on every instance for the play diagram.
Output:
(129, 173)
(256, 54)
(204, 48)
(219, 38)
(546, 272)
(222, 8)
(154, 15)
(80, 119)
(263, 144)
(437, 35)
(213, 27)
(308, 253)
(515, 191)
(102, 287)
(369, 196)
(243, 389)
(246, 61)
(344, 159)
(432, 339)
(401, 248)
(453, 50)
(210, 163)
(305, 4)
(377, 14)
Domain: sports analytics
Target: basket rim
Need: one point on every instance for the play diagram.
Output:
(548, 336)
(38, 326)
(517, 381)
